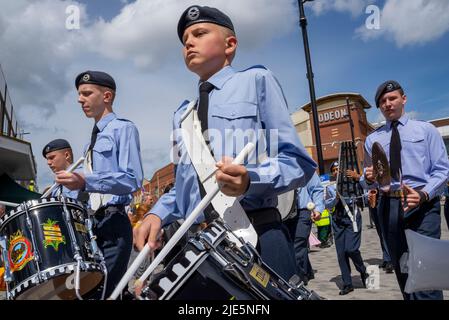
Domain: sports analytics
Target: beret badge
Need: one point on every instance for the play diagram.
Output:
(193, 13)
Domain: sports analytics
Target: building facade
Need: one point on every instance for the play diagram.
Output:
(334, 124)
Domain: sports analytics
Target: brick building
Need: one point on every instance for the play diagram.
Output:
(334, 125)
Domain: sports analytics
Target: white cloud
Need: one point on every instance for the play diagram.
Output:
(145, 31)
(139, 47)
(355, 7)
(36, 49)
(410, 22)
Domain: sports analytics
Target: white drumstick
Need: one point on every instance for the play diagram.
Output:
(310, 206)
(9, 204)
(72, 167)
(176, 237)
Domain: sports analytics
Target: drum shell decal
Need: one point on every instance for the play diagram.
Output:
(18, 260)
(52, 234)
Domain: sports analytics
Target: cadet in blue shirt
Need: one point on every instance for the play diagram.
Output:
(59, 156)
(347, 242)
(112, 173)
(300, 226)
(419, 168)
(239, 100)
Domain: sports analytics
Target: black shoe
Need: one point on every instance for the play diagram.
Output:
(346, 290)
(383, 265)
(389, 268)
(305, 280)
(364, 276)
(326, 244)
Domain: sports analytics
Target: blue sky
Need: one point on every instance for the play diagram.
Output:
(136, 42)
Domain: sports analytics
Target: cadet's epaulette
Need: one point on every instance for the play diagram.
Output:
(122, 119)
(185, 102)
(257, 66)
(381, 127)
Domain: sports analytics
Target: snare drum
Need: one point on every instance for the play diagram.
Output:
(212, 267)
(46, 247)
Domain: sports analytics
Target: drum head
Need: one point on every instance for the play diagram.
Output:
(63, 287)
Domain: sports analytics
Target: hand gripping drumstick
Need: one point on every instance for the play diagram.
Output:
(176, 237)
(72, 167)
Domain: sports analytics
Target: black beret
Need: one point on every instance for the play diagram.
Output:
(198, 14)
(54, 145)
(95, 77)
(334, 164)
(386, 87)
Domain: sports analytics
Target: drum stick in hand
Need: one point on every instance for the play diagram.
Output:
(178, 234)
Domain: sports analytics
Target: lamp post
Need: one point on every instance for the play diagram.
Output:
(351, 123)
(316, 126)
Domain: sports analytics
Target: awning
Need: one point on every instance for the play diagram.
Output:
(11, 191)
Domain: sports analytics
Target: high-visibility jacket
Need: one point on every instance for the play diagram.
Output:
(325, 218)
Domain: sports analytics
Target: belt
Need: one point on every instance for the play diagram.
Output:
(264, 216)
(110, 209)
(393, 193)
(397, 193)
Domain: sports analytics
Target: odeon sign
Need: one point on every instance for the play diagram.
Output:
(332, 115)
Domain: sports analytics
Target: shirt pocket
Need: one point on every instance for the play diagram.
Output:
(236, 124)
(241, 115)
(103, 149)
(414, 148)
(235, 110)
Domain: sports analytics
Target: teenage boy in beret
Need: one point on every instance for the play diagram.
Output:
(251, 99)
(112, 172)
(419, 169)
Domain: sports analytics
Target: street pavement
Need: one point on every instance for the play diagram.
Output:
(328, 278)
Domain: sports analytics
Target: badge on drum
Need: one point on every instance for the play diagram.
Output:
(52, 234)
(20, 251)
(260, 275)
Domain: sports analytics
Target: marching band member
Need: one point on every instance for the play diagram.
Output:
(59, 156)
(248, 100)
(300, 226)
(419, 169)
(112, 172)
(347, 241)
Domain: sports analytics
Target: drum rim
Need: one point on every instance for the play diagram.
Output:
(12, 293)
(34, 204)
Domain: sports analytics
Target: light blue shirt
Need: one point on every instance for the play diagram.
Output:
(312, 192)
(331, 196)
(249, 99)
(117, 165)
(423, 155)
(66, 192)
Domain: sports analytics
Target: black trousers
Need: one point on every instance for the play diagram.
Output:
(426, 220)
(347, 243)
(299, 228)
(383, 245)
(114, 238)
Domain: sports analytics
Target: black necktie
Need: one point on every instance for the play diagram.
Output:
(93, 138)
(205, 88)
(395, 151)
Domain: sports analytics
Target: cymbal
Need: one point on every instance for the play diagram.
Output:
(381, 167)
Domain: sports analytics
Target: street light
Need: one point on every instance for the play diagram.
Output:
(316, 126)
